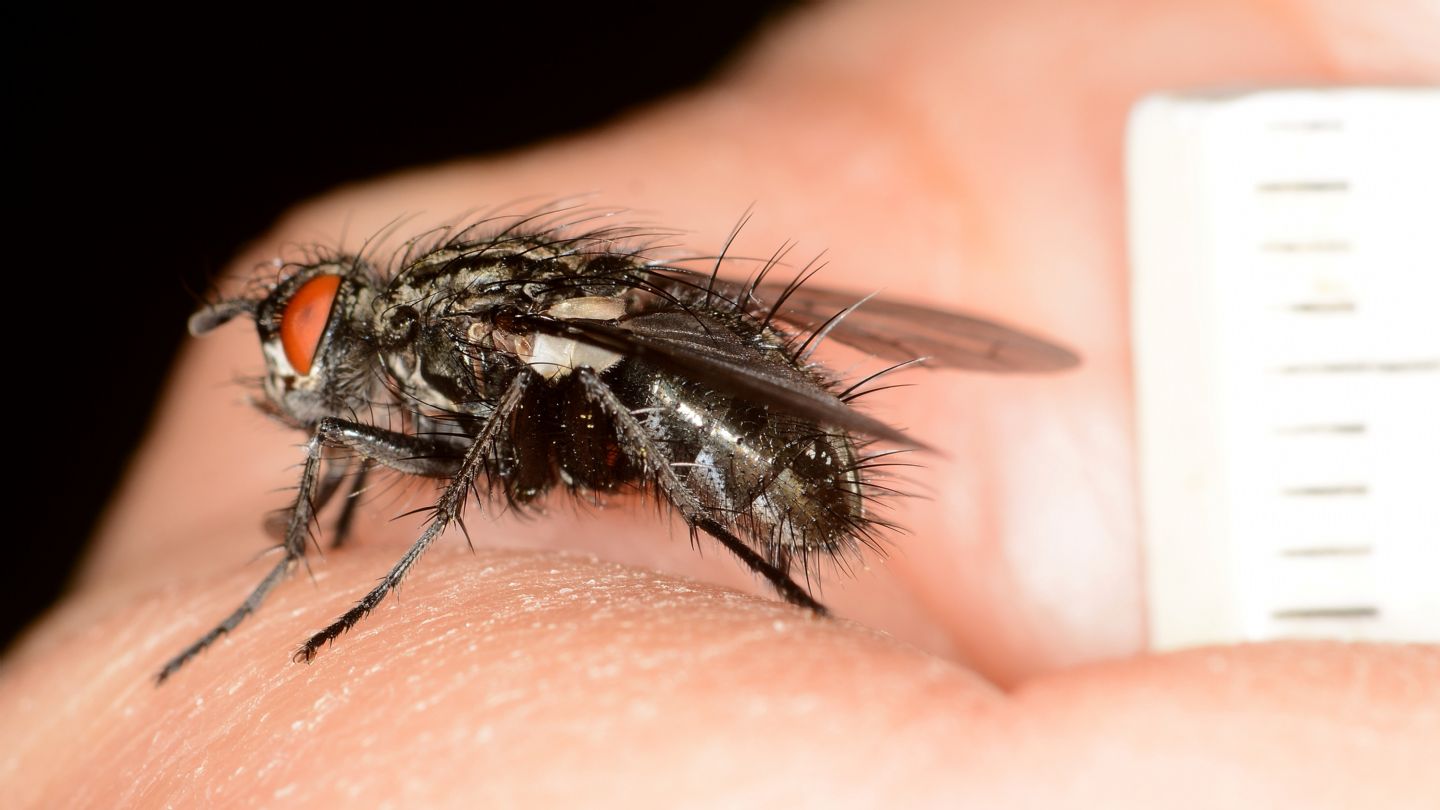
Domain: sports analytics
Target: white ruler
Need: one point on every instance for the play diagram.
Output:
(1285, 249)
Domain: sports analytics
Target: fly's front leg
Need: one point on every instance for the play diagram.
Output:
(446, 511)
(293, 548)
(334, 469)
(398, 451)
(656, 461)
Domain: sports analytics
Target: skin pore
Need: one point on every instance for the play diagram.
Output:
(966, 155)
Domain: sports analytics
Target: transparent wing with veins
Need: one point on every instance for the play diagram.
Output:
(886, 328)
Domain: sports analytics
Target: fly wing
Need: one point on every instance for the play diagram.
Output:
(703, 349)
(892, 330)
(895, 330)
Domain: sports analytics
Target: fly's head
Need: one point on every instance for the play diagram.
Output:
(314, 336)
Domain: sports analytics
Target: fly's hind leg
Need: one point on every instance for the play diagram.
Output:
(657, 464)
(398, 451)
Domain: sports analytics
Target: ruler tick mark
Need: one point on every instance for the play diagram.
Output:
(1322, 307)
(1339, 612)
(1364, 366)
(1351, 428)
(1303, 187)
(1306, 246)
(1328, 551)
(1327, 491)
(1309, 125)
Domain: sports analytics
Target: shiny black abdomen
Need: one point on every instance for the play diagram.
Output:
(784, 483)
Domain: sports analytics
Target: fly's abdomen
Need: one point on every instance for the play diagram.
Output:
(810, 498)
(787, 484)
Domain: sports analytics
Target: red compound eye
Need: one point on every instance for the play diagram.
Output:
(304, 320)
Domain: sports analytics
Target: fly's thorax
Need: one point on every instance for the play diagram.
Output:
(553, 356)
(496, 343)
(463, 292)
(421, 322)
(453, 348)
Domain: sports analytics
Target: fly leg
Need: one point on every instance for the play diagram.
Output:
(398, 451)
(446, 511)
(656, 461)
(335, 468)
(352, 500)
(402, 452)
(293, 546)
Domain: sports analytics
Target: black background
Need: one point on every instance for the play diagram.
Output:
(157, 146)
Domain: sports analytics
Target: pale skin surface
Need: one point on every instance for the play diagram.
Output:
(962, 154)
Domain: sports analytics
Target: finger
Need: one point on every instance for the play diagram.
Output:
(536, 679)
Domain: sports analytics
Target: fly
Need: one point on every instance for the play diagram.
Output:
(478, 355)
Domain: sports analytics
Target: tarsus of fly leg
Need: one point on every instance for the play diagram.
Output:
(657, 461)
(296, 532)
(446, 511)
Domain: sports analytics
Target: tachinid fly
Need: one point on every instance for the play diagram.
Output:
(520, 354)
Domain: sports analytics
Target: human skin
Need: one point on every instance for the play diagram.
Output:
(961, 154)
